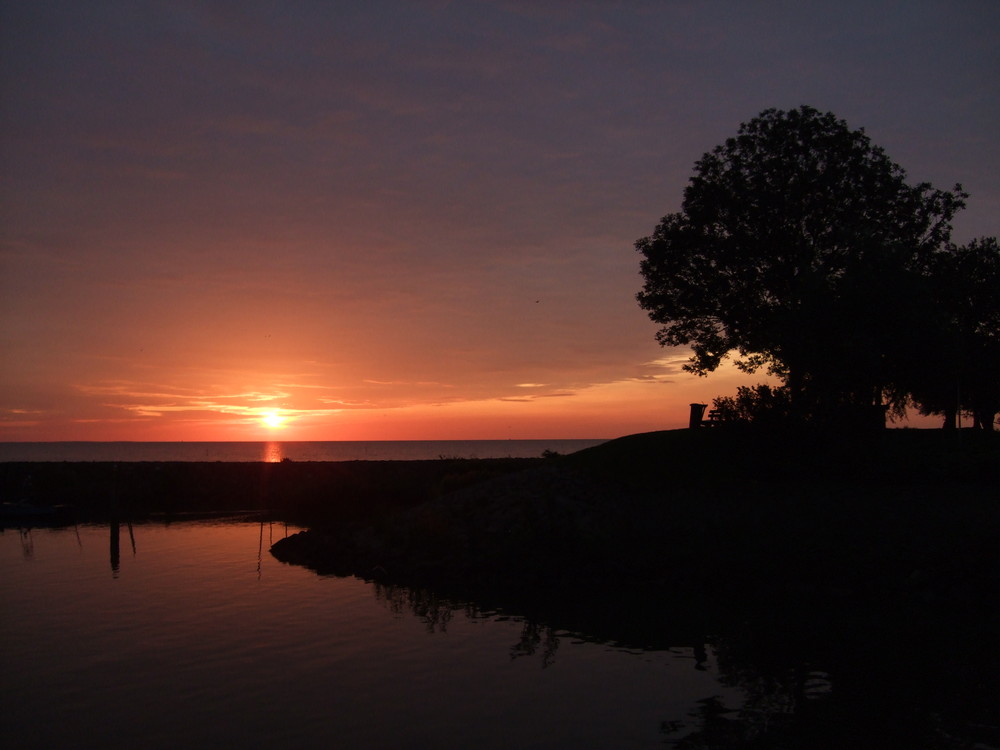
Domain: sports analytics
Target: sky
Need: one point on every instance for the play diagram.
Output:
(392, 220)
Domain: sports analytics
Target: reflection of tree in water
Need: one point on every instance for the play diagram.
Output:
(436, 612)
(718, 727)
(433, 610)
(776, 700)
(807, 680)
(888, 687)
(534, 637)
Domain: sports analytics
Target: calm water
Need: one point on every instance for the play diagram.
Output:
(192, 635)
(378, 450)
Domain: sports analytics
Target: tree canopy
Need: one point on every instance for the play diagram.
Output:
(965, 300)
(801, 247)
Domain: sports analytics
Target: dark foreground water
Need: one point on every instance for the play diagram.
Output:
(192, 635)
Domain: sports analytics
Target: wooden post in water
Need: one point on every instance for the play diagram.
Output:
(116, 554)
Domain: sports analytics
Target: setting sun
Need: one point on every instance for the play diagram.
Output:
(273, 420)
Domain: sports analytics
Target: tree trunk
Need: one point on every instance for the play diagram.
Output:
(983, 419)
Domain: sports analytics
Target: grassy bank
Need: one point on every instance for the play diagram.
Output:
(905, 517)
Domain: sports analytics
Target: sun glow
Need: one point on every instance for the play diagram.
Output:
(273, 419)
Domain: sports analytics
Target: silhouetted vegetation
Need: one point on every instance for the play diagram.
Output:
(761, 405)
(801, 247)
(964, 334)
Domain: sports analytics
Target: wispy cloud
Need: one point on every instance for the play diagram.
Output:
(409, 383)
(157, 400)
(535, 397)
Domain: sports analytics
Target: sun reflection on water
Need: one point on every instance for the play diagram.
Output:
(272, 453)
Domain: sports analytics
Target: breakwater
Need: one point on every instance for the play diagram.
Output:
(311, 492)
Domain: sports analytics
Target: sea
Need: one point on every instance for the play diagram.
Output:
(173, 633)
(163, 635)
(273, 451)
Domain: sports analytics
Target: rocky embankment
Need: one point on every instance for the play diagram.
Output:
(301, 491)
(733, 515)
(515, 525)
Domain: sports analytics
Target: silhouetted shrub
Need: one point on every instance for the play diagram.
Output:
(760, 405)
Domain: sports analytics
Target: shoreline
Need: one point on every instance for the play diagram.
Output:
(742, 517)
(708, 512)
(275, 450)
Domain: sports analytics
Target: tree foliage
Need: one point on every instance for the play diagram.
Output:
(800, 246)
(965, 334)
(759, 405)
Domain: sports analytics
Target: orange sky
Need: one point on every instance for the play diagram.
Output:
(408, 220)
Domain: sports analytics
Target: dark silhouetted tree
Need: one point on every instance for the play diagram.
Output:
(799, 246)
(964, 373)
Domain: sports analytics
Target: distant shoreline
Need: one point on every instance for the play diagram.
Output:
(296, 450)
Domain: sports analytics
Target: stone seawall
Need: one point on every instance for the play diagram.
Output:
(311, 492)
